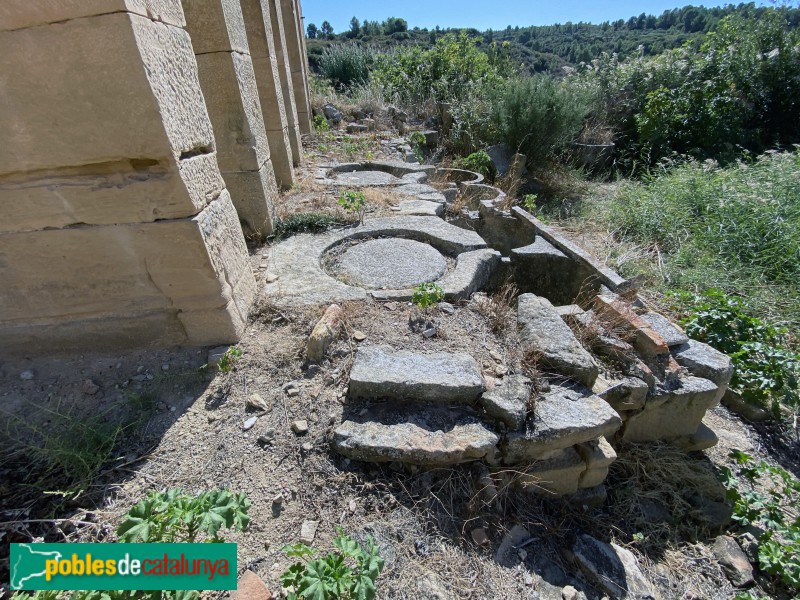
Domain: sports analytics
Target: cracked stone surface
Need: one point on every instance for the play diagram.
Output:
(423, 435)
(543, 332)
(421, 207)
(508, 401)
(563, 417)
(390, 263)
(381, 372)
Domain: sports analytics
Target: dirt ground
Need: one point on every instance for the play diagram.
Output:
(183, 426)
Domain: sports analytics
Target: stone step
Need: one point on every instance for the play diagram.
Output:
(442, 378)
(415, 434)
(563, 417)
(543, 333)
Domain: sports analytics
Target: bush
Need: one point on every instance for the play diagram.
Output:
(479, 162)
(345, 65)
(538, 116)
(310, 222)
(441, 74)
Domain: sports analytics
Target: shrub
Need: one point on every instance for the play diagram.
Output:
(345, 65)
(479, 162)
(321, 123)
(441, 74)
(310, 222)
(538, 115)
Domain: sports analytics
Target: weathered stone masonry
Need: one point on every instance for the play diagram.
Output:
(134, 146)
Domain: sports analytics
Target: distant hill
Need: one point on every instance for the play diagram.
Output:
(551, 47)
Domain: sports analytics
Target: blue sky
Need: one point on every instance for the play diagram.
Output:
(483, 14)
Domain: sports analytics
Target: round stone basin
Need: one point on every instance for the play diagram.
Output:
(366, 178)
(391, 263)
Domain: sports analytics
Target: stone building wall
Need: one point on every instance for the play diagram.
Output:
(135, 150)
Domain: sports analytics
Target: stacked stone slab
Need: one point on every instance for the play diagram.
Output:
(259, 26)
(229, 86)
(670, 381)
(117, 228)
(435, 410)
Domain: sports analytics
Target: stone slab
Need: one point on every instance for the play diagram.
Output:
(392, 263)
(563, 417)
(672, 334)
(298, 278)
(672, 414)
(508, 401)
(424, 208)
(628, 393)
(542, 332)
(613, 569)
(18, 14)
(382, 372)
(132, 87)
(607, 276)
(702, 439)
(472, 272)
(365, 179)
(557, 475)
(423, 435)
(704, 361)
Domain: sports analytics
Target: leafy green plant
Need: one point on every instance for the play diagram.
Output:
(427, 294)
(231, 356)
(417, 142)
(308, 222)
(529, 202)
(354, 202)
(479, 162)
(768, 497)
(174, 516)
(766, 372)
(321, 124)
(348, 573)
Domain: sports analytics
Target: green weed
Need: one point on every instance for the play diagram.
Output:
(768, 497)
(174, 516)
(354, 202)
(348, 573)
(427, 294)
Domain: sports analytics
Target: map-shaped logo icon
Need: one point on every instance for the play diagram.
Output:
(28, 565)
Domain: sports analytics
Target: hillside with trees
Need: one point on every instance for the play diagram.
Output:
(551, 47)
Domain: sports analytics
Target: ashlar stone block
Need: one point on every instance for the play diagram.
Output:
(18, 14)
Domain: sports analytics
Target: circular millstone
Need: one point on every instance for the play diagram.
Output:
(391, 263)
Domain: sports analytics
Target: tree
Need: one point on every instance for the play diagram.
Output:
(395, 25)
(327, 30)
(355, 28)
(311, 31)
